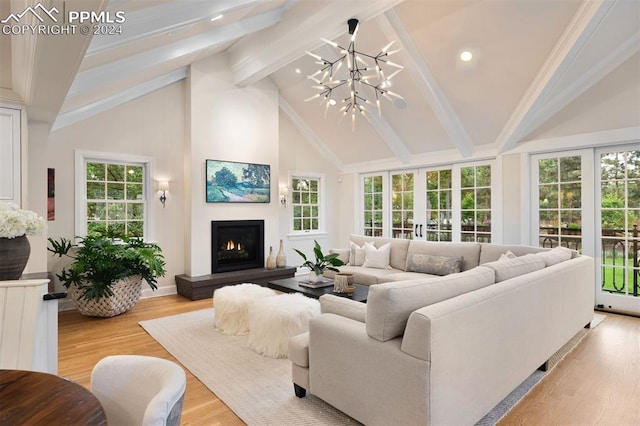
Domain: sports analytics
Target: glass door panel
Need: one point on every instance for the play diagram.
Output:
(372, 190)
(475, 203)
(438, 208)
(619, 220)
(560, 202)
(402, 205)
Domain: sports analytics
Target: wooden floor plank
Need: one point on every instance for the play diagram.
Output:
(597, 383)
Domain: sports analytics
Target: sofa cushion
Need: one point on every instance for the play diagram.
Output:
(555, 255)
(398, 256)
(376, 257)
(403, 276)
(435, 265)
(362, 275)
(390, 304)
(470, 252)
(509, 268)
(490, 252)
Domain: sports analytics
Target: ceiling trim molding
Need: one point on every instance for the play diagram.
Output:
(580, 29)
(71, 117)
(307, 132)
(585, 140)
(393, 28)
(586, 81)
(426, 160)
(390, 137)
(260, 55)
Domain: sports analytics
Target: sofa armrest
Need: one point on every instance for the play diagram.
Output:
(372, 381)
(331, 304)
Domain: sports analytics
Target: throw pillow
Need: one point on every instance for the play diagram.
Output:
(356, 255)
(508, 255)
(343, 254)
(434, 265)
(555, 255)
(377, 257)
(510, 268)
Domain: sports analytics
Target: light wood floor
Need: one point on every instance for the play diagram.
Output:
(598, 383)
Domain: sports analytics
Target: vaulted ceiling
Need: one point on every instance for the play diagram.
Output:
(533, 61)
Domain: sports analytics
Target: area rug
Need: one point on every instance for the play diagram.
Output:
(259, 389)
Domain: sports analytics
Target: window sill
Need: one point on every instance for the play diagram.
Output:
(307, 235)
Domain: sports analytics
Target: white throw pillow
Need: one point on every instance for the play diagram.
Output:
(508, 255)
(555, 255)
(377, 257)
(356, 254)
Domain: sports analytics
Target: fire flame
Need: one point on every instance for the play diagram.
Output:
(233, 246)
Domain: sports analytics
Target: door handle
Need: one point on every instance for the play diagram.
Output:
(415, 232)
(421, 235)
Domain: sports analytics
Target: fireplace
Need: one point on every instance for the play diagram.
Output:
(236, 245)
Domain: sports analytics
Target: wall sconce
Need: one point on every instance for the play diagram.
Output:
(283, 196)
(163, 186)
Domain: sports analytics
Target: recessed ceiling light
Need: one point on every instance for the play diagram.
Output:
(466, 56)
(297, 70)
(217, 18)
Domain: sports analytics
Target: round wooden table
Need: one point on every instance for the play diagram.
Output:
(36, 398)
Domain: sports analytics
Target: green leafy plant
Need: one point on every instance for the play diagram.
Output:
(322, 262)
(100, 261)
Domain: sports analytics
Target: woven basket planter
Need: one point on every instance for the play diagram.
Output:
(126, 294)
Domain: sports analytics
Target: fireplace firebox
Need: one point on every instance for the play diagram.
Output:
(236, 245)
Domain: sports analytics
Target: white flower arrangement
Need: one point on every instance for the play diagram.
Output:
(15, 222)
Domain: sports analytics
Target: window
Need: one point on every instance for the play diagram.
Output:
(439, 205)
(372, 194)
(475, 201)
(112, 197)
(560, 201)
(305, 200)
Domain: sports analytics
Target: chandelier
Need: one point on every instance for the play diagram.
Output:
(362, 82)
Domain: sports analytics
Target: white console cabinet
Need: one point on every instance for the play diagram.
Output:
(28, 326)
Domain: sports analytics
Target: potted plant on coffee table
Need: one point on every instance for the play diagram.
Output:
(106, 274)
(322, 262)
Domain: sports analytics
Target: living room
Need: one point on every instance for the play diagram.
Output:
(509, 120)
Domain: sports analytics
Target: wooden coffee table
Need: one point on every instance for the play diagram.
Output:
(291, 285)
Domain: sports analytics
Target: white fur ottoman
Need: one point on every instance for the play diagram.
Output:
(231, 306)
(272, 321)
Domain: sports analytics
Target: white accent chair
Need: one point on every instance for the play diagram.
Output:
(139, 390)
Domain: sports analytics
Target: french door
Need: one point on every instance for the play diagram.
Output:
(449, 203)
(589, 200)
(618, 201)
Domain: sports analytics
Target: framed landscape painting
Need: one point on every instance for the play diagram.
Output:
(232, 182)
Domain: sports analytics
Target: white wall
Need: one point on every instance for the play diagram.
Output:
(233, 124)
(298, 155)
(151, 126)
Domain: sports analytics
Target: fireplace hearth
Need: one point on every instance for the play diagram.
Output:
(236, 245)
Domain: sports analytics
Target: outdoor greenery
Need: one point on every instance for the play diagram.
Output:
(115, 198)
(99, 261)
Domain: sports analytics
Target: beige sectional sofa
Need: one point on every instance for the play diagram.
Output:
(472, 254)
(444, 349)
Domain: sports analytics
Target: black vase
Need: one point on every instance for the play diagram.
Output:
(14, 255)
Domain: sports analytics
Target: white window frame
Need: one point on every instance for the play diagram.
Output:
(84, 157)
(320, 177)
